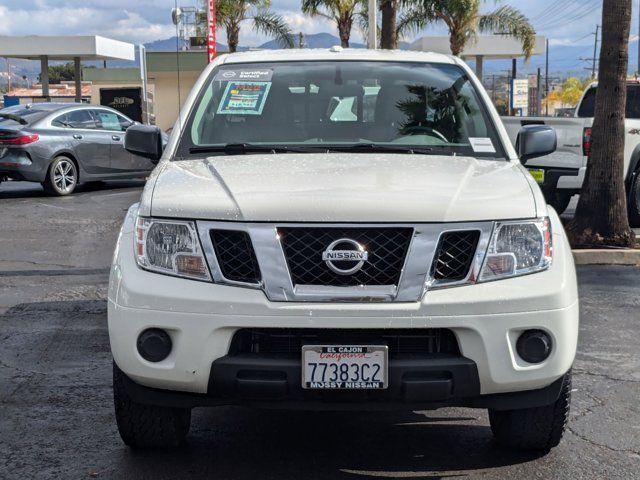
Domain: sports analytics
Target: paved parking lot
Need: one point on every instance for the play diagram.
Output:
(56, 401)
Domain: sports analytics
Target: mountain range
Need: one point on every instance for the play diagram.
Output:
(564, 60)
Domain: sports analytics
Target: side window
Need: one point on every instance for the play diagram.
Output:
(107, 120)
(124, 123)
(80, 119)
(60, 121)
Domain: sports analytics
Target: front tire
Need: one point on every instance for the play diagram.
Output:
(539, 428)
(62, 177)
(147, 426)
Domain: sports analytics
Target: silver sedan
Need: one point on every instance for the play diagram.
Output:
(62, 144)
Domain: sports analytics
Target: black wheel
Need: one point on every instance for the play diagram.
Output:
(634, 202)
(62, 177)
(147, 426)
(539, 428)
(559, 201)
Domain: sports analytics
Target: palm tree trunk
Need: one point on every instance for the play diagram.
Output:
(388, 37)
(344, 30)
(456, 42)
(233, 36)
(601, 216)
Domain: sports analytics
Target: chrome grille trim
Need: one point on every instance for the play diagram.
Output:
(276, 282)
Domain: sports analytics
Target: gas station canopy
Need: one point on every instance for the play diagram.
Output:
(78, 48)
(491, 47)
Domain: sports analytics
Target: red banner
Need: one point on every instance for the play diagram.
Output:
(211, 30)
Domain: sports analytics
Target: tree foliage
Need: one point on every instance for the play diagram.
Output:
(344, 13)
(231, 13)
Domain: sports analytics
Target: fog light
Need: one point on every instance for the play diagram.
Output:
(154, 345)
(534, 346)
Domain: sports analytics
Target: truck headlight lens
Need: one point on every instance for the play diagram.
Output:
(171, 247)
(518, 248)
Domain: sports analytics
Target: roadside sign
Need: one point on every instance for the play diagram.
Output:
(520, 94)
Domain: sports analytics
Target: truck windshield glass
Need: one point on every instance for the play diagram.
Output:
(303, 106)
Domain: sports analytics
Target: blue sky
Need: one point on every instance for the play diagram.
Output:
(563, 21)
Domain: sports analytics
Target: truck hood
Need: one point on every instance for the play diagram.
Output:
(342, 187)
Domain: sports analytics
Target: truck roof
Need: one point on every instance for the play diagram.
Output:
(337, 53)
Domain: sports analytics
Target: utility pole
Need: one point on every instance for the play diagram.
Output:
(8, 74)
(546, 81)
(373, 24)
(301, 40)
(493, 89)
(595, 51)
(539, 93)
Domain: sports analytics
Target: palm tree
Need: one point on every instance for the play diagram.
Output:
(231, 13)
(601, 217)
(342, 12)
(464, 21)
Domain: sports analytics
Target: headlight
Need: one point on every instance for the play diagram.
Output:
(518, 248)
(171, 247)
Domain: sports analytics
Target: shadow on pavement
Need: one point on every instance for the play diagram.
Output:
(246, 444)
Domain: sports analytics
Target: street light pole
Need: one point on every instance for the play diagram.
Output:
(373, 24)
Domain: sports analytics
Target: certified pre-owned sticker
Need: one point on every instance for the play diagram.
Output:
(244, 98)
(257, 74)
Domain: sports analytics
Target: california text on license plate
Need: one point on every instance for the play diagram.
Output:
(344, 367)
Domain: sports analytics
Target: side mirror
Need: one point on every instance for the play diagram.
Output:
(535, 141)
(144, 141)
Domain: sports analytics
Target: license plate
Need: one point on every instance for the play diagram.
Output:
(344, 367)
(537, 174)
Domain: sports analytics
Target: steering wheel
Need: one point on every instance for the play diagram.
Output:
(419, 129)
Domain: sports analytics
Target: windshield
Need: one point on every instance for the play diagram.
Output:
(399, 106)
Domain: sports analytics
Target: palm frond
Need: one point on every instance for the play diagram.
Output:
(274, 25)
(412, 19)
(509, 21)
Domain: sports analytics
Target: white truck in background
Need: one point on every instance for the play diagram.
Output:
(561, 174)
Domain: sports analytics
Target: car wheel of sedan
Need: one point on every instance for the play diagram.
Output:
(62, 177)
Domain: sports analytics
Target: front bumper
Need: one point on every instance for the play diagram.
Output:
(486, 319)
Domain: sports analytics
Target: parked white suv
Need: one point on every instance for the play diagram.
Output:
(337, 229)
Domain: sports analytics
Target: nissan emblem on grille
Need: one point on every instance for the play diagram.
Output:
(345, 262)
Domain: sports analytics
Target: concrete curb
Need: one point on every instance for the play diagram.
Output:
(606, 256)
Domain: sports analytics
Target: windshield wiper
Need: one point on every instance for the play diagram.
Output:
(244, 148)
(375, 147)
(15, 118)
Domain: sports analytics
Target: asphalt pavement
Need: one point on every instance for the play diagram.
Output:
(57, 421)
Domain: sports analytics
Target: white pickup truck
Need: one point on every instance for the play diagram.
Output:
(333, 229)
(561, 174)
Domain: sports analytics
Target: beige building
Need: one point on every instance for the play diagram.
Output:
(165, 98)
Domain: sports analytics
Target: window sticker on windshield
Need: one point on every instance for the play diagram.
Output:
(244, 98)
(482, 145)
(258, 74)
